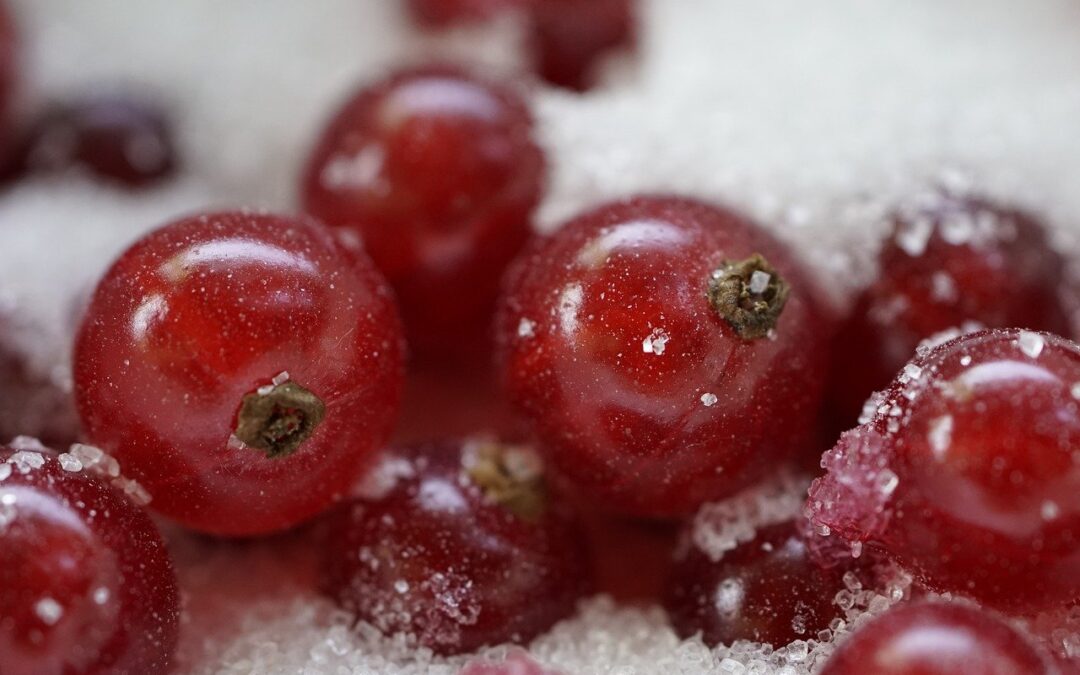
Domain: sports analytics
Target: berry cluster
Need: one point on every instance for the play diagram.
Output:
(241, 373)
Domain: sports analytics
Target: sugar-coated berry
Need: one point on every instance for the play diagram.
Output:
(950, 260)
(968, 474)
(461, 549)
(570, 37)
(765, 590)
(86, 585)
(441, 13)
(437, 172)
(668, 351)
(937, 638)
(243, 367)
(117, 138)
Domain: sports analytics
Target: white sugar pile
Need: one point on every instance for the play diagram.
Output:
(815, 117)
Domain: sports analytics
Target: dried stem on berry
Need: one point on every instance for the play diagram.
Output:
(509, 477)
(278, 421)
(749, 294)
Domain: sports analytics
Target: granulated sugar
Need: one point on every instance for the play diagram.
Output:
(815, 118)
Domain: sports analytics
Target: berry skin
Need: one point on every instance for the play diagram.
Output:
(465, 550)
(86, 585)
(936, 638)
(766, 590)
(115, 138)
(569, 37)
(637, 340)
(243, 367)
(969, 472)
(950, 260)
(437, 172)
(442, 13)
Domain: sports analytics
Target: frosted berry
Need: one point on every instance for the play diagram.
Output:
(86, 585)
(938, 639)
(436, 171)
(116, 138)
(950, 260)
(243, 367)
(669, 353)
(969, 472)
(766, 590)
(570, 37)
(465, 549)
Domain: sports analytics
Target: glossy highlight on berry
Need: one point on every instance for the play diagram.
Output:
(86, 584)
(968, 473)
(461, 548)
(243, 367)
(654, 393)
(937, 638)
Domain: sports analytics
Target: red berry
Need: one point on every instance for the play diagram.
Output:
(937, 639)
(441, 13)
(765, 590)
(116, 138)
(243, 367)
(651, 346)
(950, 260)
(969, 472)
(465, 550)
(86, 585)
(570, 37)
(9, 62)
(437, 172)
(32, 403)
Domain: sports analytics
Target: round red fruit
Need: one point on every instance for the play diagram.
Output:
(765, 590)
(950, 260)
(669, 352)
(571, 37)
(86, 585)
(117, 138)
(463, 549)
(968, 474)
(436, 171)
(243, 367)
(936, 638)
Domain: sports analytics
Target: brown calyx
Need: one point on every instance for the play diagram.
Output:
(280, 419)
(510, 476)
(749, 294)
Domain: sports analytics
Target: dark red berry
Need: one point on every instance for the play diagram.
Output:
(86, 585)
(465, 549)
(243, 367)
(969, 472)
(571, 37)
(437, 172)
(9, 66)
(442, 13)
(112, 137)
(950, 260)
(669, 352)
(936, 638)
(32, 403)
(766, 590)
